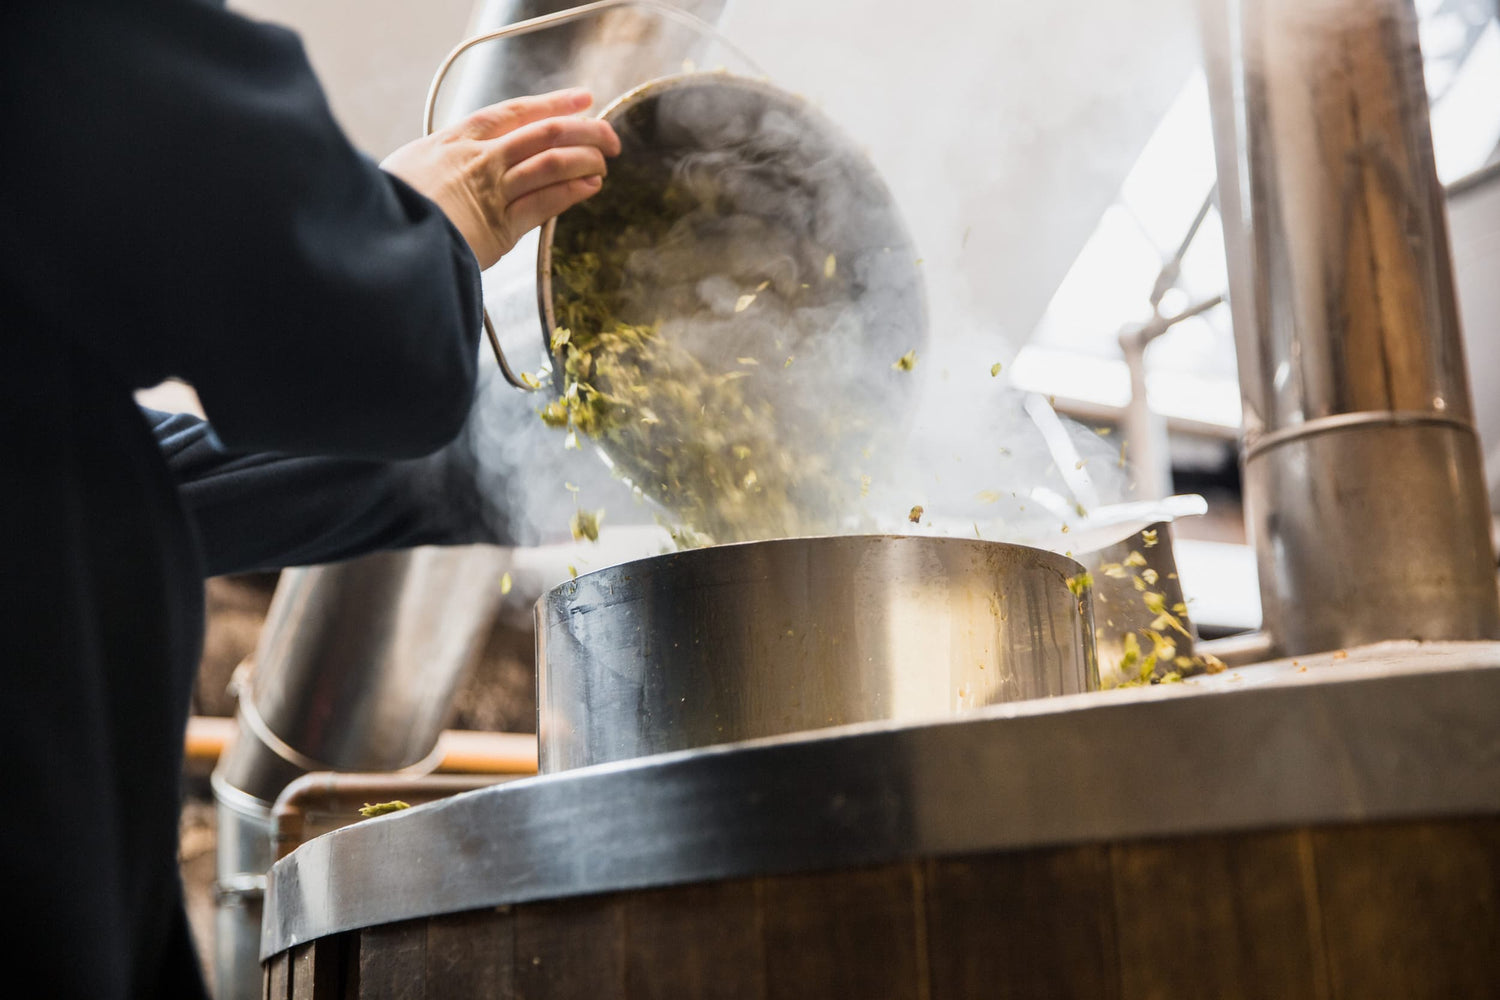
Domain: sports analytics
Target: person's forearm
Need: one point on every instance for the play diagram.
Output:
(267, 511)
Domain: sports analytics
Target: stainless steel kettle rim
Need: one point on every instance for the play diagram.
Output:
(738, 641)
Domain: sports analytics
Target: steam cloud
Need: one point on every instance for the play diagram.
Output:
(977, 454)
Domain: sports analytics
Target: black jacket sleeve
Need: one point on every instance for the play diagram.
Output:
(268, 511)
(193, 210)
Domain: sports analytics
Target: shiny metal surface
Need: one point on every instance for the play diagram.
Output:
(734, 642)
(319, 802)
(817, 187)
(1340, 279)
(1346, 326)
(791, 192)
(1375, 537)
(242, 848)
(358, 660)
(1390, 732)
(355, 670)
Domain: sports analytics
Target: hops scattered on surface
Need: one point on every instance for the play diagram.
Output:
(381, 808)
(906, 362)
(505, 584)
(915, 514)
(994, 369)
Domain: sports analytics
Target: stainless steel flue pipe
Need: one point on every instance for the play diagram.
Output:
(355, 671)
(1364, 488)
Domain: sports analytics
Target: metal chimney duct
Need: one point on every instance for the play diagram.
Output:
(1364, 489)
(355, 671)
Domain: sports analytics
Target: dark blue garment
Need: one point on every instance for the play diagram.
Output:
(266, 511)
(176, 200)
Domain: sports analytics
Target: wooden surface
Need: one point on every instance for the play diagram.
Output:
(1401, 910)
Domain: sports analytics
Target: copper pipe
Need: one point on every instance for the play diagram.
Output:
(464, 751)
(340, 796)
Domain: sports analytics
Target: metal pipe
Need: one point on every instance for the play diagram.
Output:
(1145, 429)
(355, 670)
(1363, 485)
(357, 664)
(461, 751)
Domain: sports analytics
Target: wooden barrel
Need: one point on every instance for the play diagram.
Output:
(1400, 910)
(1278, 832)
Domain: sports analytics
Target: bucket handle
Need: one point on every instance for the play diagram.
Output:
(665, 10)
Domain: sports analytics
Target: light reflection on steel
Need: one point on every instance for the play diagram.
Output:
(1363, 485)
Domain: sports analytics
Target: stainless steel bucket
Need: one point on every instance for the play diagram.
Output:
(734, 642)
(780, 161)
(729, 314)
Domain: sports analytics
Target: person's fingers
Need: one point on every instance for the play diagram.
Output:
(507, 116)
(537, 137)
(530, 211)
(550, 167)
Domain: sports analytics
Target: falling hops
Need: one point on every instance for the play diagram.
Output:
(585, 524)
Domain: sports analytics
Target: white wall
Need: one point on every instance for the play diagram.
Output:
(375, 57)
(1011, 121)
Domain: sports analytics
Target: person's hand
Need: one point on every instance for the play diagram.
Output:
(509, 167)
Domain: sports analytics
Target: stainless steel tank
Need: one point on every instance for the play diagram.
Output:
(733, 642)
